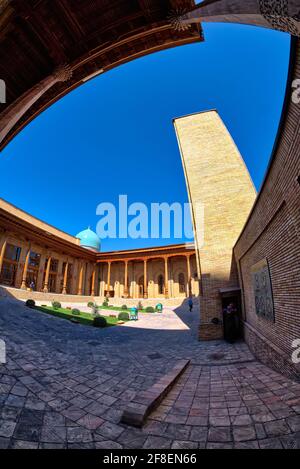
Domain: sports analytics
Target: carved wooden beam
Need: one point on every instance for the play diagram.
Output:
(13, 113)
(282, 15)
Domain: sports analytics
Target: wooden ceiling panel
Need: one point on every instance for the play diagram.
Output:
(40, 35)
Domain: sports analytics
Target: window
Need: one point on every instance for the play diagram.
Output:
(12, 253)
(8, 274)
(161, 284)
(52, 274)
(181, 281)
(10, 265)
(34, 260)
(54, 265)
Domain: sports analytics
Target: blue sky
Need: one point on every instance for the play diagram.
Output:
(114, 135)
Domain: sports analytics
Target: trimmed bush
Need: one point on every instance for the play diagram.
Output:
(150, 309)
(74, 321)
(75, 312)
(56, 304)
(124, 307)
(91, 304)
(123, 316)
(99, 321)
(105, 304)
(30, 303)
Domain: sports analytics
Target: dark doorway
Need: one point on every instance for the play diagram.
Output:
(233, 327)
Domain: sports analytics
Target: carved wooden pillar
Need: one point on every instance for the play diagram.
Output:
(145, 279)
(189, 279)
(59, 276)
(126, 280)
(80, 280)
(39, 284)
(24, 277)
(93, 280)
(2, 254)
(166, 277)
(65, 284)
(108, 277)
(45, 289)
(13, 113)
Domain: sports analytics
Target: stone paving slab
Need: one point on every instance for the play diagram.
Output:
(66, 386)
(147, 401)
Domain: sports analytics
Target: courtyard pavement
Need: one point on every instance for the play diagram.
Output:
(66, 385)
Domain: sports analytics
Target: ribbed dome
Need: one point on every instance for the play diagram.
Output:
(89, 240)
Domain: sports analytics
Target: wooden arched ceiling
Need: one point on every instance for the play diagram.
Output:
(37, 36)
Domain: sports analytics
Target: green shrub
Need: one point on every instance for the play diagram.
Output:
(91, 304)
(74, 321)
(124, 307)
(123, 316)
(150, 309)
(56, 305)
(75, 312)
(99, 321)
(30, 303)
(105, 303)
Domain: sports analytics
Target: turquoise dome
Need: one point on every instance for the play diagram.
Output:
(89, 240)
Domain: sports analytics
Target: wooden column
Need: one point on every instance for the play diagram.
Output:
(126, 280)
(145, 279)
(24, 276)
(13, 113)
(166, 277)
(39, 284)
(59, 276)
(108, 277)
(188, 262)
(45, 289)
(80, 281)
(2, 254)
(93, 280)
(64, 291)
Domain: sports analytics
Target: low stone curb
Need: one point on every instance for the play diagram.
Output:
(147, 401)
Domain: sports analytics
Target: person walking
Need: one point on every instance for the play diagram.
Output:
(191, 304)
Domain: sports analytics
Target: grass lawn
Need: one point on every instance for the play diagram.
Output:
(84, 318)
(119, 308)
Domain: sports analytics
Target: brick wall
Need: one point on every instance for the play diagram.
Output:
(273, 232)
(218, 179)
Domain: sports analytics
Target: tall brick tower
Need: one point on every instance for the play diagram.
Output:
(217, 178)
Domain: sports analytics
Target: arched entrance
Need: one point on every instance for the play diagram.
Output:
(161, 284)
(141, 291)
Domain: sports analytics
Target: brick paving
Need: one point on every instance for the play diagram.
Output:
(66, 386)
